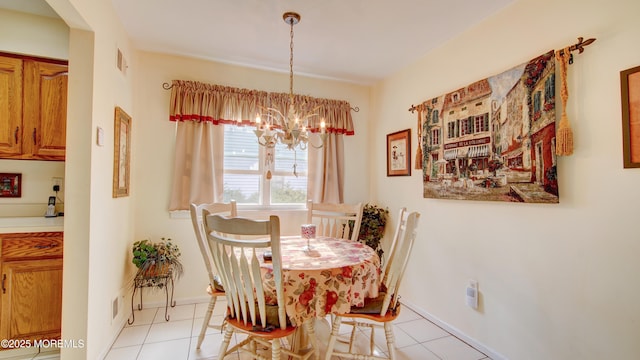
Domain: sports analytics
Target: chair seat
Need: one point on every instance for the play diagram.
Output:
(214, 292)
(276, 333)
(271, 314)
(371, 310)
(216, 287)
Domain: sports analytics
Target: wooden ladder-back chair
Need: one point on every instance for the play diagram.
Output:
(385, 308)
(215, 288)
(333, 219)
(237, 260)
(400, 230)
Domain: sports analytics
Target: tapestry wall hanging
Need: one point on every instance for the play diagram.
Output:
(495, 139)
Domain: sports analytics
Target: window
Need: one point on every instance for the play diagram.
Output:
(435, 137)
(466, 126)
(482, 123)
(434, 117)
(536, 105)
(451, 130)
(550, 89)
(246, 164)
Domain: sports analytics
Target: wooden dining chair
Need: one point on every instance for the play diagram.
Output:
(399, 231)
(237, 259)
(385, 308)
(215, 288)
(334, 219)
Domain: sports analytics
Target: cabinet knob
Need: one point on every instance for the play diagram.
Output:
(34, 136)
(15, 135)
(4, 278)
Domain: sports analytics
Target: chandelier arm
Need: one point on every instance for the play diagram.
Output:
(267, 144)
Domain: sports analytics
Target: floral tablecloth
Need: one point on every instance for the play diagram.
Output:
(341, 274)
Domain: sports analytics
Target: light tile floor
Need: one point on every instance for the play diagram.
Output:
(153, 338)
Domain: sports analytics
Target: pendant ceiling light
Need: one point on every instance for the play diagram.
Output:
(291, 128)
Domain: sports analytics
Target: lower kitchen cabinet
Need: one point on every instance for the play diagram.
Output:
(31, 299)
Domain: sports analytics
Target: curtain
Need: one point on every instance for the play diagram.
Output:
(326, 171)
(199, 107)
(198, 165)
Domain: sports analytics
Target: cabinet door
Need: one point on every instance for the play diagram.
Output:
(45, 110)
(31, 299)
(10, 107)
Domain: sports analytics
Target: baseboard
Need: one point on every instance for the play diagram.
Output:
(454, 331)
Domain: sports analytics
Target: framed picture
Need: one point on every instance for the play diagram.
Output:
(121, 153)
(630, 90)
(399, 153)
(10, 185)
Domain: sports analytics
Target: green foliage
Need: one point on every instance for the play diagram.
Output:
(288, 195)
(280, 195)
(374, 221)
(147, 254)
(238, 196)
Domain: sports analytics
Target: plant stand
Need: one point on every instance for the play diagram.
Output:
(160, 281)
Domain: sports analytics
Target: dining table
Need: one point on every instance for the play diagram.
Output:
(333, 276)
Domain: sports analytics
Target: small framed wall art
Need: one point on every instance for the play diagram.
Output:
(121, 153)
(630, 91)
(399, 153)
(10, 185)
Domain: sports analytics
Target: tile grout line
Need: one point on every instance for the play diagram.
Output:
(147, 335)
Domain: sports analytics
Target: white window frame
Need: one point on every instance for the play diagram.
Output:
(264, 184)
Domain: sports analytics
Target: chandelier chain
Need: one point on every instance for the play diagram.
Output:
(291, 22)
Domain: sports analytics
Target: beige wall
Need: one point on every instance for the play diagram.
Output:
(33, 35)
(154, 143)
(556, 281)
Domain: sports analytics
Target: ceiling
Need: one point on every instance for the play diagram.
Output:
(359, 41)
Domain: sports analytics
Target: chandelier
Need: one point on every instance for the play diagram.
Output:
(290, 129)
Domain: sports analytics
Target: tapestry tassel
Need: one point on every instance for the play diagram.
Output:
(564, 134)
(418, 160)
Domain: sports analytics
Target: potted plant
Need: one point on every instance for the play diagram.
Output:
(374, 220)
(157, 258)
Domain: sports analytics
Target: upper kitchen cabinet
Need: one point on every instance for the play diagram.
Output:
(10, 107)
(33, 108)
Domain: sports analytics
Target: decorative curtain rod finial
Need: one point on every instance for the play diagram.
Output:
(580, 44)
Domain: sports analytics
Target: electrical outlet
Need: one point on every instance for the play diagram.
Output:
(57, 184)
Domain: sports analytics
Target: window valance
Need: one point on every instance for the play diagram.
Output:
(196, 101)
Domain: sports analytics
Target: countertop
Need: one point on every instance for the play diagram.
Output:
(31, 224)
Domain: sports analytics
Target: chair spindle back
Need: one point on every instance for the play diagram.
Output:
(237, 261)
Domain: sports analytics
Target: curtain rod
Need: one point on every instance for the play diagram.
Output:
(168, 86)
(577, 46)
